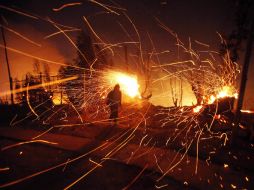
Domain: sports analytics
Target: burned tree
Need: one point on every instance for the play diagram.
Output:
(89, 58)
(198, 92)
(176, 89)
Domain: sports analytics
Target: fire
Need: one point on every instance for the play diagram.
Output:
(56, 101)
(128, 83)
(226, 91)
(211, 99)
(59, 99)
(197, 109)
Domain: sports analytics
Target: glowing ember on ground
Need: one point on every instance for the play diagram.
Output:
(247, 111)
(225, 165)
(59, 99)
(56, 101)
(197, 109)
(128, 83)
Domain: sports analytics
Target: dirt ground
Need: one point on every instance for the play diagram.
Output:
(29, 159)
(156, 140)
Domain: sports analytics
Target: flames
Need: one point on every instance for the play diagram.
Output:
(225, 91)
(128, 83)
(197, 109)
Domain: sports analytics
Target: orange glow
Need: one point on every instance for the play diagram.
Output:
(217, 116)
(197, 109)
(56, 101)
(59, 99)
(247, 111)
(225, 165)
(226, 91)
(128, 83)
(211, 99)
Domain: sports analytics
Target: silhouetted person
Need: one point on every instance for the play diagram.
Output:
(114, 99)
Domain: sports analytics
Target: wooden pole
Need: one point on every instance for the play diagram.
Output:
(8, 67)
(244, 79)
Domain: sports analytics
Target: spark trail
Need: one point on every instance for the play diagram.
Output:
(179, 128)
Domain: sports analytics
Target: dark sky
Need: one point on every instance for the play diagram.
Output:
(197, 19)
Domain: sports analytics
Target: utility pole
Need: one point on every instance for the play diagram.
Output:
(244, 79)
(7, 62)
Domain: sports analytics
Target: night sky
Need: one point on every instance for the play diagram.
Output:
(197, 20)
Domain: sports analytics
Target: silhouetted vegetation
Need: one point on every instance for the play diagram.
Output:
(90, 57)
(243, 16)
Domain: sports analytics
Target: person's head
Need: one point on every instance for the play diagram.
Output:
(117, 87)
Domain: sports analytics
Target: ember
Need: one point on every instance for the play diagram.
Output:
(197, 109)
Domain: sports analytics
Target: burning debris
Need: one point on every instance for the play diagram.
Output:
(219, 100)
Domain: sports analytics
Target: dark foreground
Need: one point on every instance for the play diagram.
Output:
(29, 159)
(61, 152)
(224, 168)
